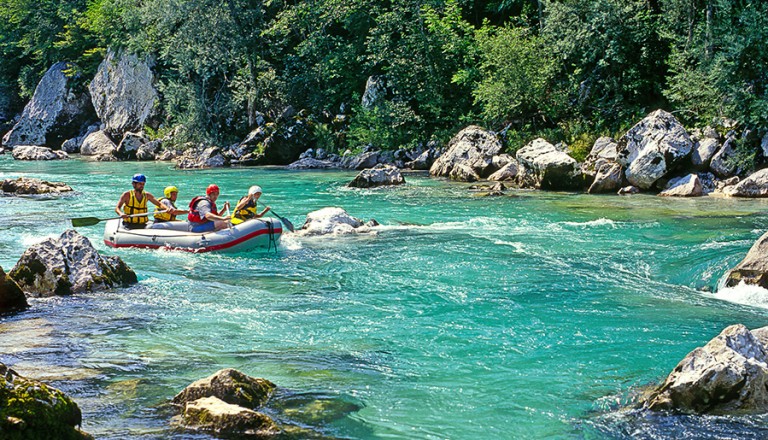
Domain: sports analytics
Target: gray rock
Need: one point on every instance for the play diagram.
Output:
(26, 185)
(123, 93)
(753, 269)
(608, 179)
(73, 145)
(31, 152)
(361, 161)
(727, 375)
(723, 164)
(55, 112)
(149, 150)
(380, 175)
(333, 221)
(652, 148)
(98, 144)
(130, 145)
(508, 172)
(628, 190)
(703, 152)
(755, 185)
(686, 186)
(472, 148)
(375, 91)
(278, 144)
(309, 163)
(423, 161)
(67, 265)
(463, 173)
(12, 298)
(210, 157)
(552, 168)
(604, 150)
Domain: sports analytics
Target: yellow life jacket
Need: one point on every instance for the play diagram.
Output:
(245, 213)
(135, 207)
(164, 216)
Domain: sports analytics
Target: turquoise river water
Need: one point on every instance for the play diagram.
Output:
(535, 315)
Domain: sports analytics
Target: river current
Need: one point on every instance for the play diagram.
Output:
(534, 315)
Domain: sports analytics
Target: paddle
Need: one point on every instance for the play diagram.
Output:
(90, 221)
(287, 223)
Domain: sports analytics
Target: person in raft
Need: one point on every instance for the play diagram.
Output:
(134, 202)
(246, 207)
(203, 216)
(169, 211)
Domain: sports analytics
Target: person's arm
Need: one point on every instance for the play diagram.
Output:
(263, 212)
(123, 200)
(240, 205)
(152, 199)
(213, 217)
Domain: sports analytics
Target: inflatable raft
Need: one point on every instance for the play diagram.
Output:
(257, 233)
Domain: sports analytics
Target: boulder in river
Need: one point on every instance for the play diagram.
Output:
(380, 175)
(550, 167)
(11, 296)
(32, 152)
(753, 269)
(754, 185)
(27, 185)
(69, 264)
(686, 186)
(30, 409)
(225, 403)
(333, 220)
(728, 375)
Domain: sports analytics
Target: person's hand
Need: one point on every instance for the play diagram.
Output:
(123, 215)
(267, 208)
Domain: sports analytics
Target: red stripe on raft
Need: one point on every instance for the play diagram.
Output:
(196, 250)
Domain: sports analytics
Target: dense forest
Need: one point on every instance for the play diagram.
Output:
(569, 70)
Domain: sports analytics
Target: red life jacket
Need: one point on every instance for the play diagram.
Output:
(194, 214)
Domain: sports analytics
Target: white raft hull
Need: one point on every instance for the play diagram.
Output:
(258, 233)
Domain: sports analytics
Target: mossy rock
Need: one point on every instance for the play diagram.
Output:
(32, 410)
(231, 386)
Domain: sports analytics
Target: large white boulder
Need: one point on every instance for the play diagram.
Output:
(54, 114)
(551, 168)
(474, 148)
(753, 269)
(334, 221)
(729, 374)
(123, 93)
(66, 265)
(755, 185)
(652, 148)
(32, 152)
(380, 175)
(686, 186)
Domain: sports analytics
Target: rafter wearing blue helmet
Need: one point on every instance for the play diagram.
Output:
(132, 206)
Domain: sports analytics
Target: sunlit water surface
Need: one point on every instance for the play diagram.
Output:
(532, 315)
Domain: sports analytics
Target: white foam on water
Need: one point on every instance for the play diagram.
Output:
(519, 247)
(749, 295)
(32, 239)
(593, 223)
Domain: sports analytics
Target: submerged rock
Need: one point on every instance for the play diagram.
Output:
(67, 265)
(729, 374)
(30, 409)
(26, 185)
(333, 221)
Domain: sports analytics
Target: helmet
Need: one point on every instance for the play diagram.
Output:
(170, 189)
(255, 189)
(139, 178)
(211, 189)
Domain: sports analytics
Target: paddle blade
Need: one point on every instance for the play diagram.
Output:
(287, 223)
(84, 221)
